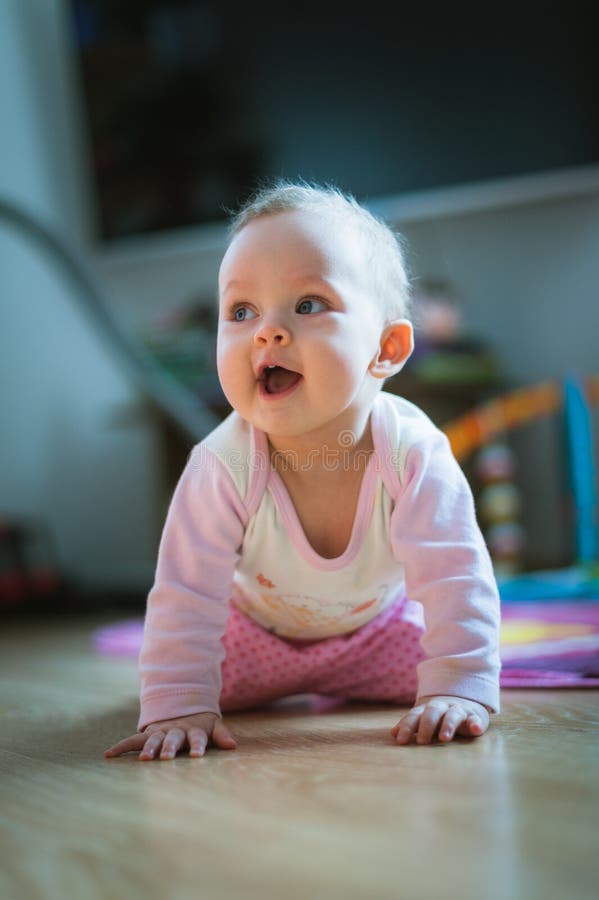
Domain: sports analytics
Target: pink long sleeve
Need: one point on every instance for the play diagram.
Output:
(188, 605)
(448, 569)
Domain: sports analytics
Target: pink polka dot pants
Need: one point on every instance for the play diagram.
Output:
(375, 663)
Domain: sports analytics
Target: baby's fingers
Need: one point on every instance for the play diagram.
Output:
(173, 742)
(407, 727)
(198, 741)
(474, 726)
(453, 720)
(134, 742)
(152, 744)
(222, 737)
(463, 722)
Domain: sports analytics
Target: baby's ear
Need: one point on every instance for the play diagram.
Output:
(395, 347)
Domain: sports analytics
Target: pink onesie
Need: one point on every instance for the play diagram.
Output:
(243, 610)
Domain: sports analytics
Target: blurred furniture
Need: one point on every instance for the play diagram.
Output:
(29, 577)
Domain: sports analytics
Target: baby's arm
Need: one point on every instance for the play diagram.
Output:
(448, 569)
(187, 610)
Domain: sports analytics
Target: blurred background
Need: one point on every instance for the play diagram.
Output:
(128, 130)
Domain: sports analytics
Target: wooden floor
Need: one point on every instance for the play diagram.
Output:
(314, 803)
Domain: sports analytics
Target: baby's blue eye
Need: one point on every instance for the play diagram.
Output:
(310, 305)
(241, 313)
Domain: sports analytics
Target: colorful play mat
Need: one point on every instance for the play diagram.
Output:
(553, 644)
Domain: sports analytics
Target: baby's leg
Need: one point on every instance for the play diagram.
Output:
(379, 661)
(259, 667)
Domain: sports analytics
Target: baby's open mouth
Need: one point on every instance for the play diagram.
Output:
(276, 379)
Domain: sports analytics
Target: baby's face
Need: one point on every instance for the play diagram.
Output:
(298, 327)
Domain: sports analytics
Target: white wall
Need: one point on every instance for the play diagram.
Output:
(528, 280)
(63, 461)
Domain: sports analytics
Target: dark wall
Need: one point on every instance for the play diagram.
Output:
(190, 102)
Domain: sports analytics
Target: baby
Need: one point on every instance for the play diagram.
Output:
(322, 539)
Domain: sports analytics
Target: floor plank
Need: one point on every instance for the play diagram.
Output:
(316, 802)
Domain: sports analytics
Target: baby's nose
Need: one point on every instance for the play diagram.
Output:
(271, 334)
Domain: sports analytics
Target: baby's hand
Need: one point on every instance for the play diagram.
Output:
(445, 716)
(173, 734)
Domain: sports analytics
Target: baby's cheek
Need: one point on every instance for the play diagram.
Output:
(344, 362)
(234, 373)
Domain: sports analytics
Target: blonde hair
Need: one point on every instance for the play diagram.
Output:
(384, 246)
